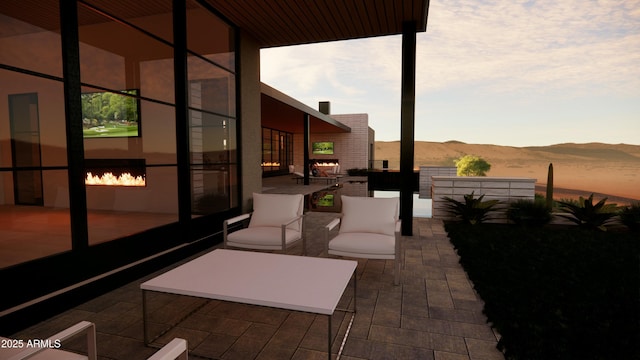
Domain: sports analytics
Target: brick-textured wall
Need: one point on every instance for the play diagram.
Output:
(351, 149)
(505, 189)
(426, 172)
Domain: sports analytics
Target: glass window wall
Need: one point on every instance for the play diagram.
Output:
(34, 198)
(128, 123)
(212, 103)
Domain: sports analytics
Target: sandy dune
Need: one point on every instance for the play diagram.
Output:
(579, 169)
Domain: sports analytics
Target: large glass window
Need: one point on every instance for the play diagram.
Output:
(212, 103)
(34, 198)
(277, 151)
(128, 121)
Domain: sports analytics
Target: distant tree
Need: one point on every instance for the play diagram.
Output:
(471, 165)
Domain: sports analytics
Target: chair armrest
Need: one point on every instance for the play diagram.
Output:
(176, 349)
(226, 223)
(332, 224)
(82, 327)
(293, 220)
(284, 232)
(234, 220)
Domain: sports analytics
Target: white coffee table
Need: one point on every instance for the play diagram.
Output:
(299, 283)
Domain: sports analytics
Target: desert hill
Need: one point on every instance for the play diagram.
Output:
(611, 169)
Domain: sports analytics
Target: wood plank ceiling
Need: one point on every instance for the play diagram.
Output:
(271, 22)
(292, 22)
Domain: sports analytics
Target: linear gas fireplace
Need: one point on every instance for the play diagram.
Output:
(115, 172)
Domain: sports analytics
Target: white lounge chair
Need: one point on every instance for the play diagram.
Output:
(14, 349)
(176, 349)
(276, 223)
(369, 228)
(48, 350)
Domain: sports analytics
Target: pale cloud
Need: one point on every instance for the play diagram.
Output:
(513, 45)
(476, 55)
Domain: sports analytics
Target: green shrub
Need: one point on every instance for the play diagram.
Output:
(529, 212)
(549, 291)
(630, 216)
(472, 210)
(587, 215)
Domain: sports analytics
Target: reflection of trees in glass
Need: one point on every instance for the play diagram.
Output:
(103, 107)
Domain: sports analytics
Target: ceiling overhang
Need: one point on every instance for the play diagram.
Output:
(284, 113)
(293, 22)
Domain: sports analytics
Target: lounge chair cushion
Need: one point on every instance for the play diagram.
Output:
(369, 215)
(273, 210)
(367, 245)
(266, 238)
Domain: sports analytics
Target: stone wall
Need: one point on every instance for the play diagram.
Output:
(505, 189)
(426, 172)
(352, 149)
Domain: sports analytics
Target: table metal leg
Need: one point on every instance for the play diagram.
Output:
(329, 339)
(353, 316)
(144, 318)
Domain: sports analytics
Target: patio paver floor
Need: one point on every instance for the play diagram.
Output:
(434, 313)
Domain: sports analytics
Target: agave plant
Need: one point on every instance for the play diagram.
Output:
(630, 217)
(529, 212)
(471, 210)
(587, 215)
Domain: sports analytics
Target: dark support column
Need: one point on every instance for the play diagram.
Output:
(73, 120)
(182, 113)
(307, 138)
(407, 123)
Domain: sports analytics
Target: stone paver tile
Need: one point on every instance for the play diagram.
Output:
(461, 315)
(282, 345)
(448, 343)
(227, 326)
(298, 321)
(432, 272)
(399, 336)
(309, 354)
(117, 347)
(461, 287)
(470, 305)
(483, 350)
(440, 299)
(415, 304)
(384, 351)
(214, 345)
(390, 318)
(437, 285)
(454, 328)
(360, 327)
(249, 345)
(359, 348)
(430, 254)
(443, 355)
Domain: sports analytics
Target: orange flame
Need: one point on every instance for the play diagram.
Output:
(126, 179)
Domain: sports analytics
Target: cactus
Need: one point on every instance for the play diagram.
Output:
(550, 187)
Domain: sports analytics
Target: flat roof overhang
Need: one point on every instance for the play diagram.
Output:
(284, 113)
(272, 23)
(294, 22)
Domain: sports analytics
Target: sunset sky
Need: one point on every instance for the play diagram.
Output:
(514, 73)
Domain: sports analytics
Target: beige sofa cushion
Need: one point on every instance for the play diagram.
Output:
(369, 215)
(367, 245)
(276, 209)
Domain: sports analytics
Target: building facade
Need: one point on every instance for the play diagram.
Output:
(161, 97)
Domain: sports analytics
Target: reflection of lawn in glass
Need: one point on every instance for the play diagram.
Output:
(323, 152)
(326, 200)
(119, 131)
